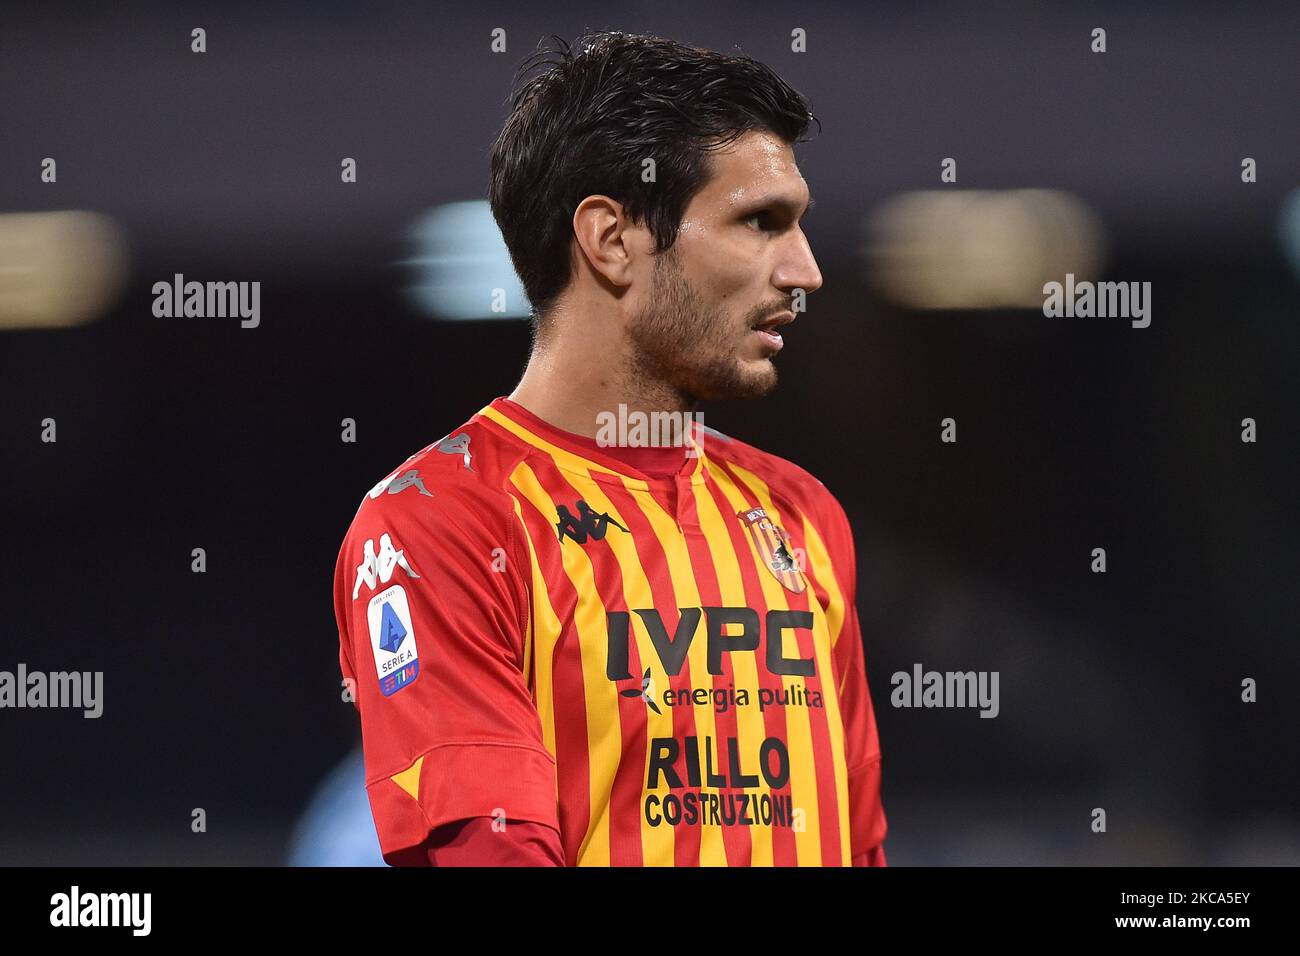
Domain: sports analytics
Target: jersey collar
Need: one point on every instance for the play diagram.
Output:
(640, 466)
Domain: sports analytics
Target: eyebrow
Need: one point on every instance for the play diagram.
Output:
(776, 202)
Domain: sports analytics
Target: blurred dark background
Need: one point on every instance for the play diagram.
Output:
(221, 690)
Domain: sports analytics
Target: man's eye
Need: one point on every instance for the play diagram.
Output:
(757, 219)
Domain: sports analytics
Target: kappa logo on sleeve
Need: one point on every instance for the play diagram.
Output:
(376, 569)
(392, 638)
(398, 482)
(457, 445)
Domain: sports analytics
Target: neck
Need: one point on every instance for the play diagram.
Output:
(571, 379)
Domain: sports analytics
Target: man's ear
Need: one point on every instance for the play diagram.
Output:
(606, 238)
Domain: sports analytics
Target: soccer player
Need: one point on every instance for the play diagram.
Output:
(573, 647)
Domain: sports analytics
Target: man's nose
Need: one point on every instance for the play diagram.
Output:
(798, 268)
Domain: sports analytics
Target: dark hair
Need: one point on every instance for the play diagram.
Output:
(586, 124)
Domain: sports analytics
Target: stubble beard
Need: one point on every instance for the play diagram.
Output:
(683, 352)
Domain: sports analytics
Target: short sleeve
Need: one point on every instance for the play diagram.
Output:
(431, 608)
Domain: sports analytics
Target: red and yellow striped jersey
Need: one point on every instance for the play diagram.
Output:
(665, 668)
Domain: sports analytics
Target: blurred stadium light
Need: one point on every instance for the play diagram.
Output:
(59, 268)
(463, 266)
(977, 249)
(337, 828)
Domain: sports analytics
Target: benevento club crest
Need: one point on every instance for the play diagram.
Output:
(773, 548)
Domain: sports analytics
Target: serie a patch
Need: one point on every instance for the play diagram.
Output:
(392, 638)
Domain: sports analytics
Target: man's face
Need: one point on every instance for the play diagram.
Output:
(709, 325)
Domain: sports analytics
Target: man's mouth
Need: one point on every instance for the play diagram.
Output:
(769, 330)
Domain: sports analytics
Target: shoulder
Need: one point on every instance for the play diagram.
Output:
(442, 520)
(450, 489)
